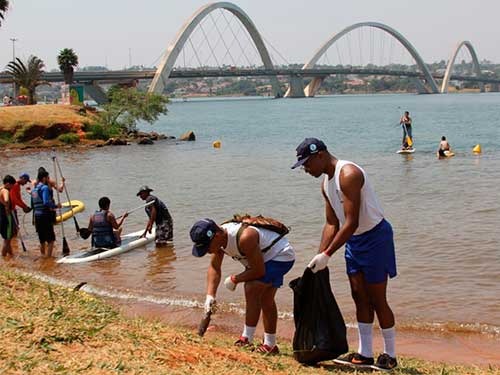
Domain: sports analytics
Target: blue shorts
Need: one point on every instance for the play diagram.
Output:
(275, 271)
(372, 253)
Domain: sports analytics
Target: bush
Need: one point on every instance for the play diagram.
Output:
(99, 131)
(69, 138)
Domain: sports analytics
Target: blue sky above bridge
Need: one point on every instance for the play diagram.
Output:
(111, 31)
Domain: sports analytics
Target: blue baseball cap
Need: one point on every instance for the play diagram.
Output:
(202, 233)
(25, 176)
(306, 149)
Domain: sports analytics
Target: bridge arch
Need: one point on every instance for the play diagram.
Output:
(311, 89)
(451, 62)
(173, 51)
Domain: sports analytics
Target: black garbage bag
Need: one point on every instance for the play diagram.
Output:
(320, 332)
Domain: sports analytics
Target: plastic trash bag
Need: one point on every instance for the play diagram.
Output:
(320, 332)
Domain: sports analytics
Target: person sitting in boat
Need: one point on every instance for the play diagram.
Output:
(158, 214)
(104, 227)
(443, 146)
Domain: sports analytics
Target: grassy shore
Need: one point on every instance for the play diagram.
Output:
(41, 125)
(47, 329)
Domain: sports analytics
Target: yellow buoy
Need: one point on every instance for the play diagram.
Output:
(216, 144)
(477, 149)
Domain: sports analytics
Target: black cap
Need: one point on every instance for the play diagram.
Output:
(308, 147)
(144, 188)
(202, 233)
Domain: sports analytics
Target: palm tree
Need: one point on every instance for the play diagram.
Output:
(4, 5)
(67, 60)
(27, 75)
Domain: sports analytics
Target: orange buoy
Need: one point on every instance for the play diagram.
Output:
(217, 144)
(477, 149)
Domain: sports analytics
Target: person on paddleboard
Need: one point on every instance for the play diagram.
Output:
(405, 123)
(158, 214)
(105, 229)
(354, 218)
(266, 255)
(444, 145)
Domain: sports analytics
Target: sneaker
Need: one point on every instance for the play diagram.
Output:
(243, 342)
(385, 363)
(355, 360)
(266, 349)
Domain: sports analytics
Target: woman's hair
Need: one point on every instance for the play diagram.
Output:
(104, 203)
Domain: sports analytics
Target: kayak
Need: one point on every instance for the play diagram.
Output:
(69, 209)
(407, 151)
(129, 242)
(447, 154)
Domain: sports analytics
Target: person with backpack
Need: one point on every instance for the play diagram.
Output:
(158, 214)
(266, 255)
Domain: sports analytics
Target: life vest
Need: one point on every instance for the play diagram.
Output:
(102, 231)
(161, 210)
(37, 200)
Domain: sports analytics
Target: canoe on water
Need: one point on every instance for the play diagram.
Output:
(69, 209)
(129, 242)
(406, 151)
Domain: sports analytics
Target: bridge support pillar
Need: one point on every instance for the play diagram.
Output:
(296, 89)
(96, 92)
(420, 86)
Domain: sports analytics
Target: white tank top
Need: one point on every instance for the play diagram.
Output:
(281, 251)
(370, 211)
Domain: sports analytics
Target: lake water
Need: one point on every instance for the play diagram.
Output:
(445, 213)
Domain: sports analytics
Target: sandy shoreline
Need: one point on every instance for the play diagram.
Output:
(449, 347)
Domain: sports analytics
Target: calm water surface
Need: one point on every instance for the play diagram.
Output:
(445, 213)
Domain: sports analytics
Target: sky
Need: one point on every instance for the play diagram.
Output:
(110, 32)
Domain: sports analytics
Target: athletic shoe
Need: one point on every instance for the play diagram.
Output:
(385, 363)
(266, 349)
(243, 342)
(355, 360)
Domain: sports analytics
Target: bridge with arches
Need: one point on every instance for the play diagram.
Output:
(313, 73)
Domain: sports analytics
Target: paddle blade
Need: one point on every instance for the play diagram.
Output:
(205, 321)
(76, 225)
(84, 233)
(409, 141)
(65, 247)
(23, 246)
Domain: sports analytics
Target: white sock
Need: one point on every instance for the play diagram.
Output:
(365, 347)
(270, 339)
(389, 341)
(248, 332)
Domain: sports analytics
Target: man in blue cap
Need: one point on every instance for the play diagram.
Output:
(354, 218)
(266, 255)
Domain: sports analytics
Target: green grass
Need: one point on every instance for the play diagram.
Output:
(49, 329)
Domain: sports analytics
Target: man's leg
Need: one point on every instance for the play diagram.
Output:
(364, 313)
(385, 316)
(253, 296)
(50, 248)
(269, 316)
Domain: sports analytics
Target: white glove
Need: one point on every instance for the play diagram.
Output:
(229, 283)
(210, 304)
(319, 262)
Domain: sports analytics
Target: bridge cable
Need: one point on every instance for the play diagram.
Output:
(209, 46)
(371, 45)
(360, 39)
(255, 50)
(349, 44)
(195, 54)
(228, 52)
(338, 53)
(237, 41)
(275, 50)
(390, 51)
(201, 42)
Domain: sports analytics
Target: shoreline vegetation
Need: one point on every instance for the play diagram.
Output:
(50, 329)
